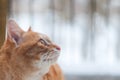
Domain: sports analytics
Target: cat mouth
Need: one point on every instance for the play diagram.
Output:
(51, 56)
(51, 59)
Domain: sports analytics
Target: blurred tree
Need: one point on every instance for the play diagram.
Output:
(3, 14)
(72, 11)
(92, 27)
(89, 34)
(64, 9)
(117, 13)
(103, 9)
(31, 11)
(52, 6)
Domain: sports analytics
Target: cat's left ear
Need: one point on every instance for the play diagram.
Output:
(14, 32)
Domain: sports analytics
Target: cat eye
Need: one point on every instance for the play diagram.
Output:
(43, 41)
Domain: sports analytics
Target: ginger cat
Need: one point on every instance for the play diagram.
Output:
(28, 56)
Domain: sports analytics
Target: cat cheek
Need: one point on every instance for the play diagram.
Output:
(30, 54)
(37, 57)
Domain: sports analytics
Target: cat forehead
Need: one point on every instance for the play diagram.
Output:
(34, 37)
(43, 36)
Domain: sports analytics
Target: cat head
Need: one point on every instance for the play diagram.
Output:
(32, 47)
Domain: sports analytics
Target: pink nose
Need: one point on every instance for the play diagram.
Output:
(57, 47)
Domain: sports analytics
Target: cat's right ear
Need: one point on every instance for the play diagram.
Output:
(29, 29)
(14, 32)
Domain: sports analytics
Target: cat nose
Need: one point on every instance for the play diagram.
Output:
(57, 47)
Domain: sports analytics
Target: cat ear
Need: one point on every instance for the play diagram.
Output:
(14, 32)
(30, 29)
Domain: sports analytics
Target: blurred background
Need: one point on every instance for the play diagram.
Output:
(88, 32)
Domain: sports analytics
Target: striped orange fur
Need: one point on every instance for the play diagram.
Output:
(28, 56)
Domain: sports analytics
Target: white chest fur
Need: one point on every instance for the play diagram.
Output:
(33, 77)
(38, 74)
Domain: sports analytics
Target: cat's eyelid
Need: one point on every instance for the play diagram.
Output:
(43, 41)
(48, 41)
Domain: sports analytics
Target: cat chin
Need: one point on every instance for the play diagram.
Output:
(45, 62)
(44, 67)
(42, 64)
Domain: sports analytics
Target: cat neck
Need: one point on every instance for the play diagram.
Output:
(38, 74)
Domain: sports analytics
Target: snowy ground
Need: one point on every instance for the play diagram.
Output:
(95, 77)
